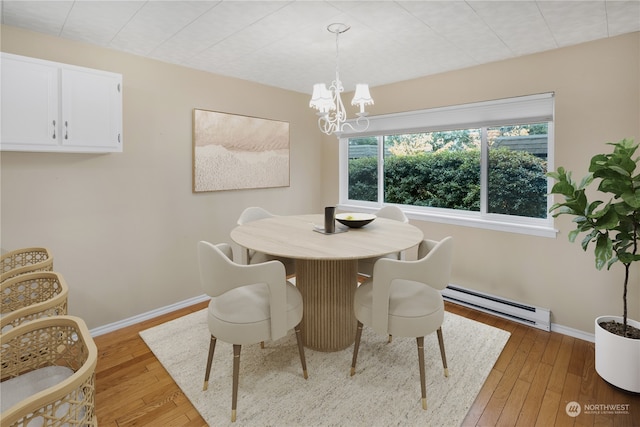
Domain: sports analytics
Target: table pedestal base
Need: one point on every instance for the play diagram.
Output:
(327, 288)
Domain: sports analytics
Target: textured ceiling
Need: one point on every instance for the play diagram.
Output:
(286, 43)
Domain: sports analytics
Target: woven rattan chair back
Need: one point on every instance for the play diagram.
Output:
(25, 260)
(30, 296)
(60, 341)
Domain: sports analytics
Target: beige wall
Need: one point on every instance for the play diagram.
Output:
(597, 87)
(123, 227)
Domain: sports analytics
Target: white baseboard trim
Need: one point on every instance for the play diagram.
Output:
(575, 333)
(100, 330)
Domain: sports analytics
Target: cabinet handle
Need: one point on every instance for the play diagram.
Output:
(54, 130)
(66, 129)
(118, 87)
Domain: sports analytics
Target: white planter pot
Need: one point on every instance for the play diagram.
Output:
(618, 358)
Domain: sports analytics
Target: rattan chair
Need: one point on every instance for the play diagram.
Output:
(25, 260)
(48, 374)
(30, 296)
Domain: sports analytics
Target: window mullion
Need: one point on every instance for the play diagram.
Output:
(484, 172)
(380, 169)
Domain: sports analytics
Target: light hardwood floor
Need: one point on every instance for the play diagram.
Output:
(536, 376)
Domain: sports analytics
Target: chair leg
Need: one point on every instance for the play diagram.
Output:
(442, 353)
(262, 345)
(356, 347)
(303, 360)
(390, 338)
(423, 385)
(236, 374)
(212, 348)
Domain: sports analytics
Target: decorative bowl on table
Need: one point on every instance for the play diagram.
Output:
(355, 220)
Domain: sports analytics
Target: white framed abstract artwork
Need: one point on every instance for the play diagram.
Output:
(235, 152)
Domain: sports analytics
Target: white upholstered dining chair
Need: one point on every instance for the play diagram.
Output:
(255, 213)
(403, 299)
(365, 266)
(249, 304)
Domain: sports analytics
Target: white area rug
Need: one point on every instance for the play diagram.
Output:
(385, 390)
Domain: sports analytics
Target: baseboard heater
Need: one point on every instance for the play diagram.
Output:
(522, 313)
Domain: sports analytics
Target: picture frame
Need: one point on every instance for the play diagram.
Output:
(236, 152)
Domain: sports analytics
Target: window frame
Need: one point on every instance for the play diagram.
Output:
(527, 109)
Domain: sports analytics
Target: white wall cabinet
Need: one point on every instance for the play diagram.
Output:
(54, 107)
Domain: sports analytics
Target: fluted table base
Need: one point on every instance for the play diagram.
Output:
(327, 288)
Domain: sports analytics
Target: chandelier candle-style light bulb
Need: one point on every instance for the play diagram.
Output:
(328, 101)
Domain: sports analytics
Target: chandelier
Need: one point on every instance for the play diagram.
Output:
(328, 102)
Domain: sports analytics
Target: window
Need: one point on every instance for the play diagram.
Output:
(481, 165)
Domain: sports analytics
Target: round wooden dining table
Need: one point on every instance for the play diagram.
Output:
(326, 266)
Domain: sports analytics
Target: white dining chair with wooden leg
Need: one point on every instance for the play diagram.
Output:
(256, 213)
(365, 265)
(249, 304)
(404, 299)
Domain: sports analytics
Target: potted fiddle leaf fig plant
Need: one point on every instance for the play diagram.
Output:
(612, 225)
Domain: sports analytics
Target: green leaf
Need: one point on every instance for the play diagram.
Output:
(556, 175)
(563, 187)
(623, 209)
(587, 239)
(592, 207)
(620, 170)
(586, 226)
(572, 235)
(608, 220)
(615, 185)
(597, 162)
(586, 181)
(560, 209)
(603, 250)
(612, 261)
(632, 198)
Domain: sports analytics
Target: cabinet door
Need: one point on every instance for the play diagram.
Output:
(91, 110)
(29, 104)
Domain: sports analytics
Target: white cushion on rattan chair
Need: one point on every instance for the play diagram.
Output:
(16, 389)
(48, 344)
